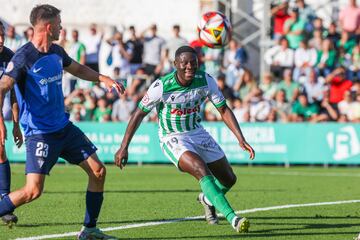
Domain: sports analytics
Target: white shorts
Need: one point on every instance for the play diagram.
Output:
(198, 141)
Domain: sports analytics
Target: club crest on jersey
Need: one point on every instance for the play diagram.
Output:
(9, 67)
(185, 111)
(156, 84)
(172, 97)
(145, 99)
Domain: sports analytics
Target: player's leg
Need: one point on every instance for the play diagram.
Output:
(224, 179)
(96, 172)
(79, 150)
(192, 163)
(5, 182)
(31, 191)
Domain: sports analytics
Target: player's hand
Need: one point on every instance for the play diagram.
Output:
(121, 157)
(18, 137)
(3, 136)
(246, 147)
(112, 84)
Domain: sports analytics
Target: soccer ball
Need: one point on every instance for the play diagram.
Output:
(214, 29)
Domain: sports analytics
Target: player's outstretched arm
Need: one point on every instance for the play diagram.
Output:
(18, 137)
(230, 120)
(121, 155)
(6, 83)
(86, 73)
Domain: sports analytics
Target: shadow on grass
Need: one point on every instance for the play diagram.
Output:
(161, 191)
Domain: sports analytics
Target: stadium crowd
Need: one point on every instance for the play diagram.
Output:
(314, 70)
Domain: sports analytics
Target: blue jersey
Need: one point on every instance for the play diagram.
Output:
(5, 57)
(38, 88)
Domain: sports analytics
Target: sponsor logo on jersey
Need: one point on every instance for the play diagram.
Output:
(51, 79)
(185, 111)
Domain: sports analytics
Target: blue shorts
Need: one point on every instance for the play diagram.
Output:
(69, 143)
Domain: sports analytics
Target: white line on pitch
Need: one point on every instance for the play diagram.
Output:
(155, 223)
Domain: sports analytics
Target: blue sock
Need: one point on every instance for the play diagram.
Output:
(6, 206)
(5, 178)
(93, 205)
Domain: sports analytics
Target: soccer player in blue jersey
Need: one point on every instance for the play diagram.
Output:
(36, 72)
(5, 175)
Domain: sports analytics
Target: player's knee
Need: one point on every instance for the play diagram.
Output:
(231, 181)
(32, 193)
(100, 174)
(199, 170)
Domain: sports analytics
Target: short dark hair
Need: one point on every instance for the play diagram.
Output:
(1, 24)
(43, 12)
(184, 49)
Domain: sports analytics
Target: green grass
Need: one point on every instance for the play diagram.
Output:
(152, 193)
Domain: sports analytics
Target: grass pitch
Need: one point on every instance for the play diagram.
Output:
(139, 195)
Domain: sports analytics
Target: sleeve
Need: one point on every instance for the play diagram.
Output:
(152, 96)
(65, 57)
(215, 95)
(16, 67)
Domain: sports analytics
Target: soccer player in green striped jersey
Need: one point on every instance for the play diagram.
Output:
(177, 98)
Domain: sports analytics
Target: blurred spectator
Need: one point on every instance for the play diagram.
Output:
(98, 90)
(338, 84)
(12, 40)
(344, 105)
(294, 28)
(80, 105)
(354, 64)
(102, 112)
(211, 114)
(212, 60)
(268, 86)
(92, 44)
(313, 88)
(259, 108)
(29, 34)
(349, 18)
(166, 65)
(76, 51)
(326, 58)
(346, 42)
(240, 110)
(354, 115)
(136, 47)
(280, 15)
(318, 25)
(198, 45)
(332, 34)
(123, 108)
(63, 41)
(121, 55)
(153, 50)
(138, 82)
(302, 110)
(224, 88)
(175, 42)
(279, 57)
(290, 87)
(306, 13)
(328, 111)
(305, 60)
(316, 40)
(244, 84)
(281, 106)
(234, 59)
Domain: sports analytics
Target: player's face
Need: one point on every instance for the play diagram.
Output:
(2, 38)
(186, 65)
(55, 27)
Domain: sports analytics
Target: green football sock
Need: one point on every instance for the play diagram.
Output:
(221, 187)
(216, 197)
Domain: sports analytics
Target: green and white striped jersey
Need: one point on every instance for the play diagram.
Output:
(178, 107)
